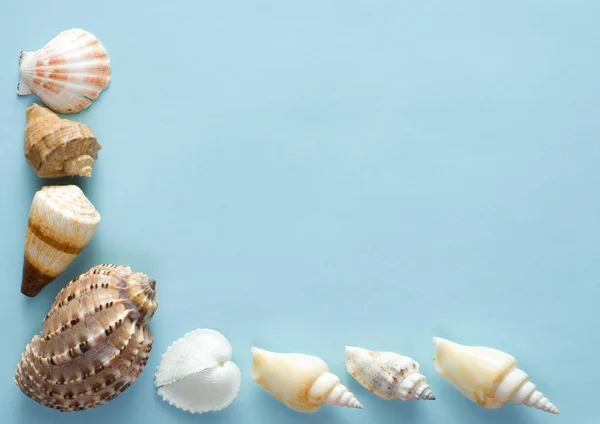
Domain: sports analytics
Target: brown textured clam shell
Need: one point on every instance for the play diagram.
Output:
(57, 147)
(95, 340)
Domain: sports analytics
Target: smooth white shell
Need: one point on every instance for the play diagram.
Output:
(68, 73)
(301, 382)
(487, 376)
(196, 373)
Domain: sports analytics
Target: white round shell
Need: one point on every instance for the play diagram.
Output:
(196, 373)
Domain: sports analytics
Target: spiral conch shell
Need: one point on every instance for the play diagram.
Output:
(68, 73)
(487, 376)
(196, 373)
(62, 221)
(56, 147)
(95, 340)
(387, 374)
(301, 382)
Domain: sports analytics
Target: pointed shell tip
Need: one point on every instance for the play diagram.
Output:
(355, 404)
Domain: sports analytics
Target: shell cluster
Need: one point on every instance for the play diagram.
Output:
(68, 73)
(196, 373)
(95, 340)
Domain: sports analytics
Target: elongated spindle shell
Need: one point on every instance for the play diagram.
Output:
(487, 376)
(387, 374)
(301, 382)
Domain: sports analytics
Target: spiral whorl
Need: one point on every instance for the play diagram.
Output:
(517, 388)
(414, 386)
(340, 396)
(336, 394)
(80, 165)
(424, 393)
(530, 396)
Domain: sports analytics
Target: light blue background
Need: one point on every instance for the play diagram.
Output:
(305, 175)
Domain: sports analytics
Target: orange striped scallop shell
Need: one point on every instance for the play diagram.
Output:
(68, 73)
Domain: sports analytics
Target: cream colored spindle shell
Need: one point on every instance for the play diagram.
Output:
(301, 382)
(487, 376)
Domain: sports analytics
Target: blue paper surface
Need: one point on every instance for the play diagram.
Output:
(305, 175)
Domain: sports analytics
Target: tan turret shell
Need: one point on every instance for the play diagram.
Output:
(95, 340)
(57, 147)
(62, 221)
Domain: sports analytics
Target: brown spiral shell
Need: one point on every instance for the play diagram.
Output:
(57, 147)
(95, 340)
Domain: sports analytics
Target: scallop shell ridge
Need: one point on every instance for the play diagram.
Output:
(68, 73)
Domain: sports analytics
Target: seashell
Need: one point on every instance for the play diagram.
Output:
(56, 147)
(487, 376)
(62, 221)
(196, 373)
(387, 374)
(95, 340)
(68, 73)
(301, 382)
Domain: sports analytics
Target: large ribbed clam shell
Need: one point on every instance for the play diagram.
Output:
(62, 221)
(196, 373)
(68, 73)
(94, 343)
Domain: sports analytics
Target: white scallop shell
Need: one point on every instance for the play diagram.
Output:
(68, 73)
(196, 373)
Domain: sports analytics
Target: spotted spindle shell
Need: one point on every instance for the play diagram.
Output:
(387, 374)
(95, 340)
